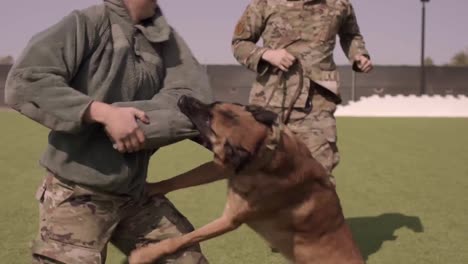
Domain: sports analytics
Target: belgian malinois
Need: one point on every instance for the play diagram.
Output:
(275, 186)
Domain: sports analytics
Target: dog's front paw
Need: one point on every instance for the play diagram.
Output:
(152, 252)
(145, 255)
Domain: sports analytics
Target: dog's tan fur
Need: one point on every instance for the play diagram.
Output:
(283, 194)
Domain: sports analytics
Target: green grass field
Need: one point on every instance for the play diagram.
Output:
(403, 184)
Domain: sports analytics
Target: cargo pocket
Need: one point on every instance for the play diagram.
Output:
(318, 132)
(77, 220)
(333, 158)
(56, 193)
(57, 240)
(330, 133)
(322, 149)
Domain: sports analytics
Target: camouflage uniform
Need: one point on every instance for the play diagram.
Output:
(76, 224)
(307, 29)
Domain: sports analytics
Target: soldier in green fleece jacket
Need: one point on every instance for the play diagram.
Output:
(105, 80)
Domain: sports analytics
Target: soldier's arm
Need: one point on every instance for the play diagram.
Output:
(246, 35)
(351, 40)
(183, 76)
(38, 84)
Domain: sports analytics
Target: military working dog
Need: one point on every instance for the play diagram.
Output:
(275, 186)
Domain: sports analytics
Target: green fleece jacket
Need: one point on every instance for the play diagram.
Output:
(99, 54)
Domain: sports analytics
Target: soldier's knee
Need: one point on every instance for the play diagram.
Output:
(54, 252)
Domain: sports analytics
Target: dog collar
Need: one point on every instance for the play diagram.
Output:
(272, 141)
(274, 137)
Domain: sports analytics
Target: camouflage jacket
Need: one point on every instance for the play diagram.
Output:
(100, 54)
(308, 30)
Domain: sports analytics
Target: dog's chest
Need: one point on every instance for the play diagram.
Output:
(256, 184)
(265, 193)
(276, 232)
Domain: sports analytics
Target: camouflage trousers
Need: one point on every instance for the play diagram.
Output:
(76, 225)
(317, 128)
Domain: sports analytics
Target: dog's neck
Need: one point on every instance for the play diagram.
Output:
(283, 156)
(273, 140)
(274, 153)
(281, 152)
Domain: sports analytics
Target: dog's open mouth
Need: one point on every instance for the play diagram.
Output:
(200, 115)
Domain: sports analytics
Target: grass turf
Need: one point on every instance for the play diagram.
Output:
(402, 183)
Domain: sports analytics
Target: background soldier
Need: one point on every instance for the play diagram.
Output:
(306, 31)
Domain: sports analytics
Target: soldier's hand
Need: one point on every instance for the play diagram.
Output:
(121, 125)
(280, 58)
(363, 63)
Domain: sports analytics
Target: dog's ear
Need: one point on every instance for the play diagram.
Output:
(262, 115)
(236, 156)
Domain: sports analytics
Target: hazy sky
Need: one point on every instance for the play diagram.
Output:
(391, 28)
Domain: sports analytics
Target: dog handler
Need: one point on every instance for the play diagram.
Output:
(303, 30)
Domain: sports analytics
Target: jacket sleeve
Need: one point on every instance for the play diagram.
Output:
(351, 40)
(183, 76)
(38, 83)
(247, 32)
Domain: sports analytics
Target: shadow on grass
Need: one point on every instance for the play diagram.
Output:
(371, 232)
